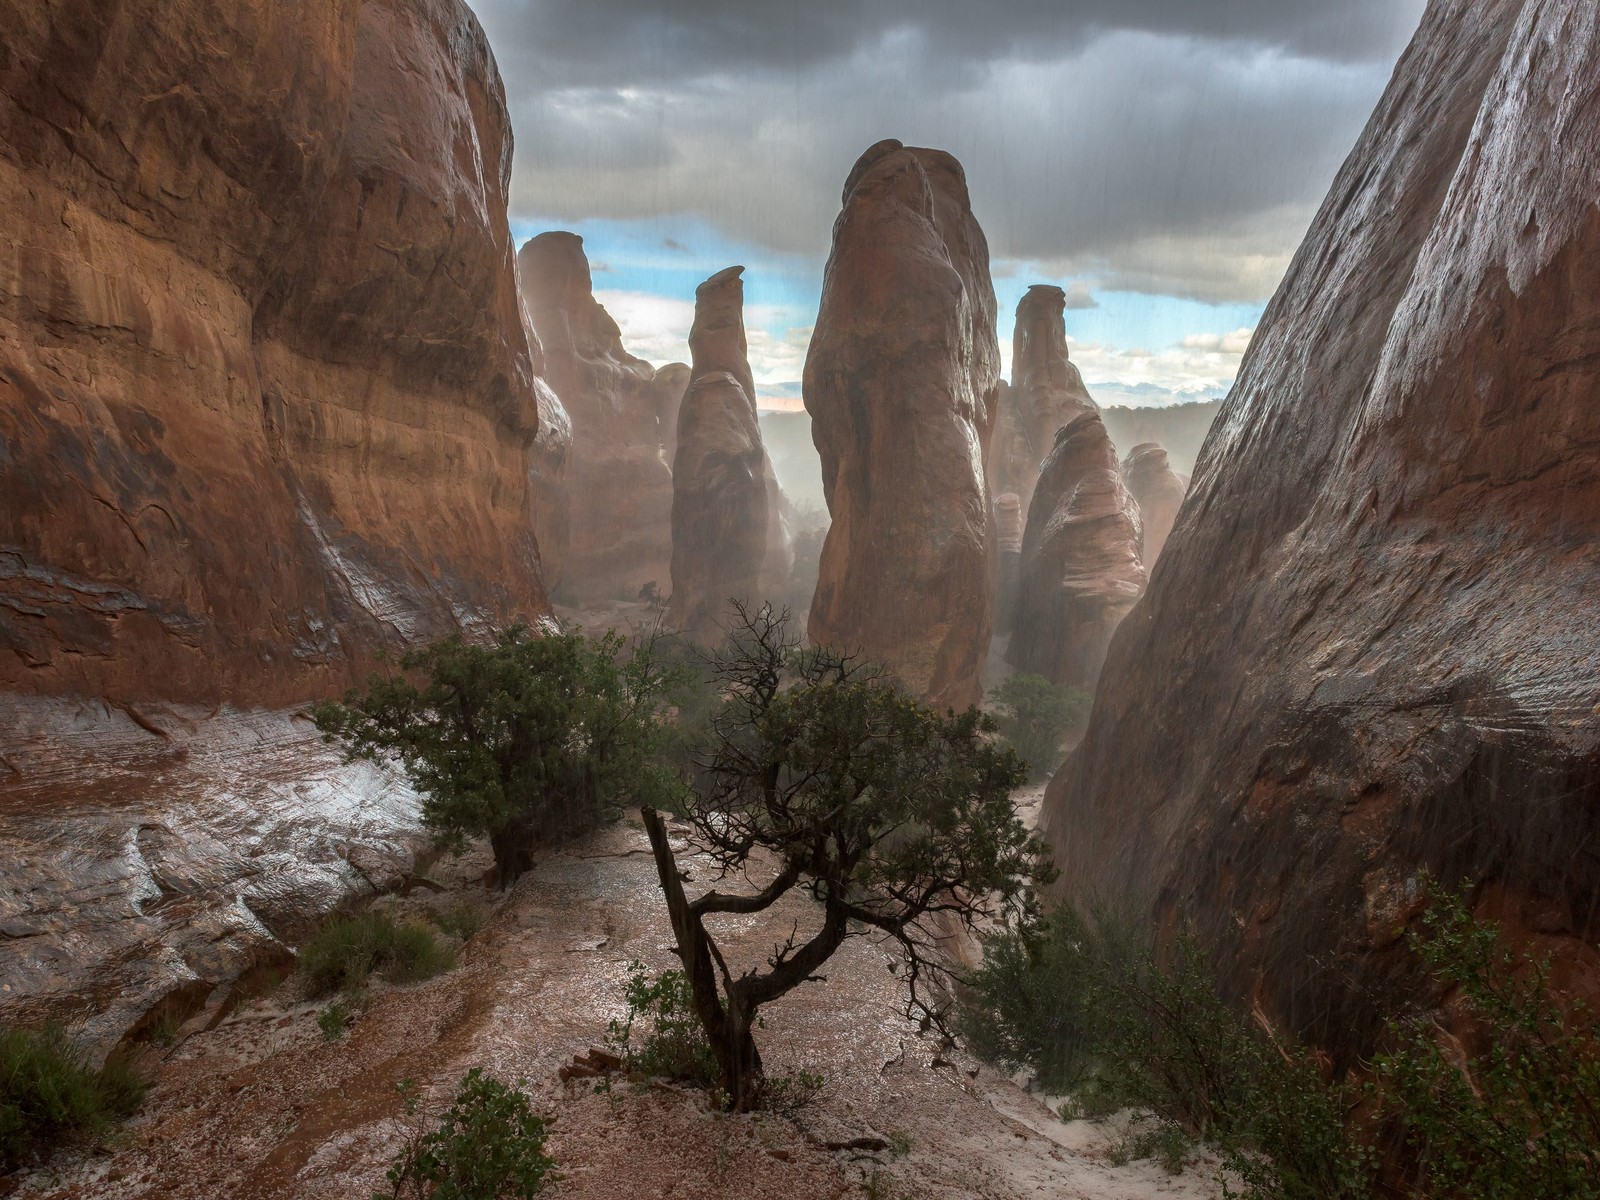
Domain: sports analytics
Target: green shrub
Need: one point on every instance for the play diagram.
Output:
(675, 1046)
(348, 950)
(1515, 1110)
(533, 739)
(490, 1144)
(1087, 1008)
(1034, 715)
(334, 1021)
(49, 1095)
(461, 921)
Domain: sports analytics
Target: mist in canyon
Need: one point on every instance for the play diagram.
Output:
(1063, 534)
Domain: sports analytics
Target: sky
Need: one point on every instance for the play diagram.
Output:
(1158, 159)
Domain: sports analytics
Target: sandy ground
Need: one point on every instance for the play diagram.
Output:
(262, 1106)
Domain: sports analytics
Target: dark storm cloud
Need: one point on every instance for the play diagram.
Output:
(1168, 145)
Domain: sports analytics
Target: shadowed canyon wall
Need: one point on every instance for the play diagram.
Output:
(266, 398)
(901, 382)
(1159, 492)
(619, 485)
(1371, 649)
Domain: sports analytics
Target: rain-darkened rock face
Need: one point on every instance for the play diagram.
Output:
(901, 382)
(719, 474)
(1371, 649)
(619, 483)
(1047, 391)
(1159, 492)
(1080, 572)
(266, 396)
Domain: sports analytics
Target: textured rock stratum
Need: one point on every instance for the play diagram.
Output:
(720, 472)
(901, 382)
(267, 401)
(1079, 573)
(668, 388)
(1046, 389)
(620, 519)
(1372, 649)
(717, 343)
(1159, 492)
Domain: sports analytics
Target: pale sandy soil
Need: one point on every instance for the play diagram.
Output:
(262, 1107)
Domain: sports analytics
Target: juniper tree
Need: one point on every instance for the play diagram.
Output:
(823, 779)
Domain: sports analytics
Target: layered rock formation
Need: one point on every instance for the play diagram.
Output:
(1079, 573)
(621, 487)
(1008, 529)
(901, 383)
(1046, 389)
(1159, 492)
(1371, 650)
(720, 472)
(668, 388)
(266, 397)
(1013, 466)
(717, 343)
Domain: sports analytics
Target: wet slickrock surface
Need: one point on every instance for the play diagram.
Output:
(142, 874)
(1372, 648)
(262, 1107)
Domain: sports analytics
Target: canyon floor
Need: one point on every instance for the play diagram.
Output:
(262, 1106)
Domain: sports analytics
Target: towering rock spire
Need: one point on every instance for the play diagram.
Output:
(901, 382)
(719, 470)
(1159, 491)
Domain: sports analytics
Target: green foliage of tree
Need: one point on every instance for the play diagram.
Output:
(531, 739)
(1511, 1108)
(50, 1095)
(1034, 714)
(489, 1145)
(824, 779)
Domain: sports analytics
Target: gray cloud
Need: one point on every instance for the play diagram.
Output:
(1168, 145)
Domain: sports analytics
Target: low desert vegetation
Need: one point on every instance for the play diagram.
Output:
(350, 948)
(1034, 715)
(821, 778)
(534, 738)
(488, 1145)
(1094, 1015)
(50, 1095)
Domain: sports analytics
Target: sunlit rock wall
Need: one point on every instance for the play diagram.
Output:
(1371, 648)
(266, 399)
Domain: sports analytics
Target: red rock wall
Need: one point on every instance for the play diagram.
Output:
(901, 382)
(1372, 645)
(620, 486)
(266, 398)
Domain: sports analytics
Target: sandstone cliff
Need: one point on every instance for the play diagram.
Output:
(1079, 572)
(668, 388)
(901, 382)
(720, 471)
(266, 396)
(1046, 390)
(620, 486)
(1371, 649)
(1159, 492)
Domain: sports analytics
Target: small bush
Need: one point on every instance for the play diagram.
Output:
(347, 950)
(460, 921)
(1034, 715)
(49, 1095)
(334, 1021)
(676, 1046)
(490, 1144)
(1090, 1011)
(790, 1095)
(1514, 1108)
